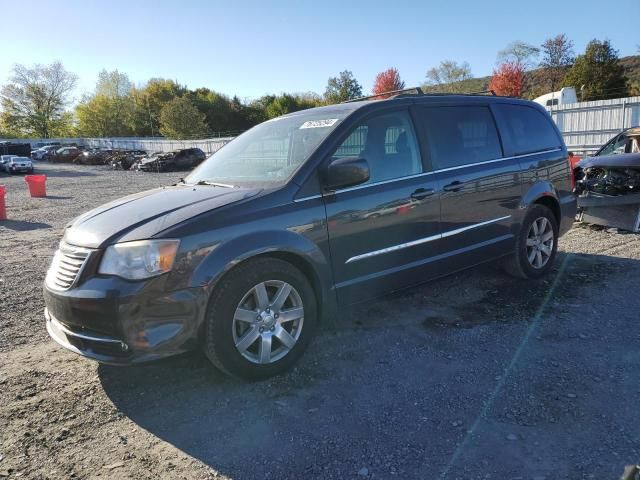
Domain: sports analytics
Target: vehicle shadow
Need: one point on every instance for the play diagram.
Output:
(23, 226)
(361, 390)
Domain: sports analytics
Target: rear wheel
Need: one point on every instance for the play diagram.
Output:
(260, 319)
(536, 245)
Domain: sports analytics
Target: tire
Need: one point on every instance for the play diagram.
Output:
(232, 319)
(529, 245)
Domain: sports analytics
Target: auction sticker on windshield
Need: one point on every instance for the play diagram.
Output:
(329, 122)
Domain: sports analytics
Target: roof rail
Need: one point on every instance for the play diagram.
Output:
(483, 92)
(392, 93)
(407, 92)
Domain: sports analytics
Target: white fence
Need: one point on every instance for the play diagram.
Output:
(148, 144)
(586, 126)
(156, 144)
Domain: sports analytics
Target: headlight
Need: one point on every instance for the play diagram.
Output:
(140, 259)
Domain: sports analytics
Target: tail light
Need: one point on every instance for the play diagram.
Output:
(573, 161)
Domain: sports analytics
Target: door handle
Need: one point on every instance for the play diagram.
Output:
(453, 186)
(422, 193)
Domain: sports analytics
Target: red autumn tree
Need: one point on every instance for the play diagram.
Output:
(387, 81)
(508, 79)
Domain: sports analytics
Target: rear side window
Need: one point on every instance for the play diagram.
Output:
(460, 135)
(525, 129)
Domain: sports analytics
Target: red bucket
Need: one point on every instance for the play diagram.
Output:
(3, 209)
(36, 185)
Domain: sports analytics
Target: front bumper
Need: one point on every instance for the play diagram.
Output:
(93, 345)
(118, 322)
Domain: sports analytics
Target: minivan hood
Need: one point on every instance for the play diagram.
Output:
(145, 214)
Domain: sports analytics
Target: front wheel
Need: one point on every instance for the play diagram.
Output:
(536, 244)
(260, 319)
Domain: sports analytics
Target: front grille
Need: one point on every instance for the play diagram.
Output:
(66, 265)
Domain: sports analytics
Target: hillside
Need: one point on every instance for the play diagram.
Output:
(534, 86)
(632, 68)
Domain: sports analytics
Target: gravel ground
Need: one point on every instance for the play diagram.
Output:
(475, 376)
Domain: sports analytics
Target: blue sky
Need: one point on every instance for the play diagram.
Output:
(250, 48)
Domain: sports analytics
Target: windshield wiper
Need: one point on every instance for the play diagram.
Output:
(215, 184)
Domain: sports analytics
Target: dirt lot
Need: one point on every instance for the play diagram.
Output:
(475, 376)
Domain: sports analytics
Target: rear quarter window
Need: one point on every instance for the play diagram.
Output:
(525, 129)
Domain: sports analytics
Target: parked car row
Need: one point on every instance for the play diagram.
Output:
(180, 160)
(185, 159)
(65, 154)
(42, 152)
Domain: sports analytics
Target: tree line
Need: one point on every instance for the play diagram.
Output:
(36, 102)
(528, 71)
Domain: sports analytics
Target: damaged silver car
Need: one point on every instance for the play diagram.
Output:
(608, 184)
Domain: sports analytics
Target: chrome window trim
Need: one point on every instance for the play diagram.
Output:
(431, 238)
(304, 199)
(383, 182)
(423, 174)
(498, 160)
(366, 185)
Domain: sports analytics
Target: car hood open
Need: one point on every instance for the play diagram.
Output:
(145, 214)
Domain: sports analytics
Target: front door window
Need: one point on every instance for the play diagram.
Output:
(388, 143)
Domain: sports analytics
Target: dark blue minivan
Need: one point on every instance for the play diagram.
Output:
(305, 213)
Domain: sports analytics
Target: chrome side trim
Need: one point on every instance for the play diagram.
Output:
(394, 248)
(422, 261)
(420, 241)
(475, 225)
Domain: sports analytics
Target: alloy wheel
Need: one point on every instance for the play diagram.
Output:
(540, 242)
(268, 321)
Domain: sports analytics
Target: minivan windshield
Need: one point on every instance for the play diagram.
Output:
(271, 152)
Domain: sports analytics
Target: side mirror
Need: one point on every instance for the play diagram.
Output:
(345, 172)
